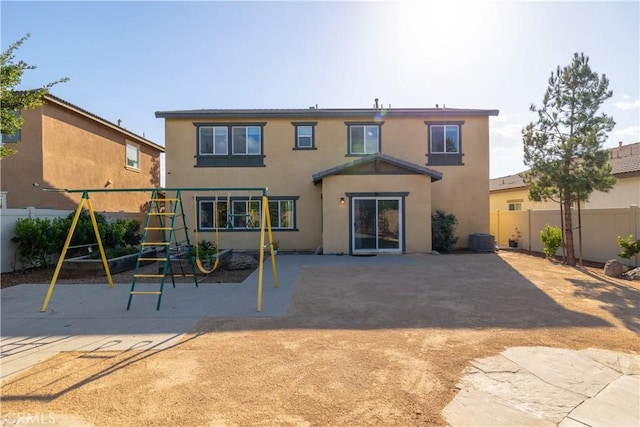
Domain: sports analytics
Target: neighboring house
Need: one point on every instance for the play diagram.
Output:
(356, 181)
(509, 193)
(65, 146)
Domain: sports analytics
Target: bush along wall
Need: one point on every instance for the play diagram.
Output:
(39, 240)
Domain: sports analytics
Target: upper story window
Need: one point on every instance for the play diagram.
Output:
(304, 135)
(364, 138)
(132, 156)
(229, 144)
(5, 139)
(213, 140)
(444, 143)
(14, 137)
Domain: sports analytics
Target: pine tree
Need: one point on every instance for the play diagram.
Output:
(563, 149)
(13, 101)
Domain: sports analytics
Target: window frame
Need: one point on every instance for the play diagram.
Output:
(213, 141)
(444, 158)
(136, 147)
(231, 158)
(15, 137)
(296, 135)
(233, 221)
(364, 125)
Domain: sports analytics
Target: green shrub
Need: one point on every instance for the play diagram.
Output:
(32, 237)
(443, 227)
(37, 239)
(551, 238)
(206, 248)
(628, 247)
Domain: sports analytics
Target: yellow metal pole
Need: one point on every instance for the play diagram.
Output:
(97, 231)
(62, 254)
(265, 202)
(261, 256)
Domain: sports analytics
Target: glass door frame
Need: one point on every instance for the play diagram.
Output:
(400, 198)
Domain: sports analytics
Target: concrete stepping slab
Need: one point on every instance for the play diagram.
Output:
(628, 364)
(563, 368)
(548, 386)
(525, 392)
(478, 408)
(617, 405)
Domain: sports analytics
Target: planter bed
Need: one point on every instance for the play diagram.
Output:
(84, 266)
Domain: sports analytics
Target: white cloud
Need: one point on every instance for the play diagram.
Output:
(633, 131)
(623, 105)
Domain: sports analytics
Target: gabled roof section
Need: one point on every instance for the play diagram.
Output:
(378, 161)
(132, 136)
(624, 161)
(314, 112)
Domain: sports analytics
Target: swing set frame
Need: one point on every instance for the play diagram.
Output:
(265, 229)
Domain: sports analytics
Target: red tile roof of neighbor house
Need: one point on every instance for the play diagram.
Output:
(624, 161)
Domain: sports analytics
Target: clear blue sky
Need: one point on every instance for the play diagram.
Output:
(126, 60)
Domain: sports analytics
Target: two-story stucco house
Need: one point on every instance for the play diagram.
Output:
(352, 181)
(64, 146)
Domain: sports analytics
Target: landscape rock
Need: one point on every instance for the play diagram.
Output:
(613, 268)
(241, 262)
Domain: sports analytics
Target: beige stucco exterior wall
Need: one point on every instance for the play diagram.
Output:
(501, 199)
(63, 149)
(463, 191)
(21, 170)
(626, 192)
(335, 217)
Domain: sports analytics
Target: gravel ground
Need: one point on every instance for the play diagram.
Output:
(360, 345)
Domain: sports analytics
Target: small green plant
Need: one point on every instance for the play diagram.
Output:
(628, 247)
(443, 227)
(206, 248)
(551, 238)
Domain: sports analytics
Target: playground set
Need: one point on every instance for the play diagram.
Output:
(166, 218)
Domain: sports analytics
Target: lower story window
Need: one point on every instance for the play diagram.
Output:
(515, 205)
(244, 214)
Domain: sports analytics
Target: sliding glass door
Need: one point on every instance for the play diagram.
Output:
(377, 224)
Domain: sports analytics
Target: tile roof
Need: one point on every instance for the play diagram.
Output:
(324, 112)
(434, 174)
(624, 159)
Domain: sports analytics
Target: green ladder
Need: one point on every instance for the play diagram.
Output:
(166, 219)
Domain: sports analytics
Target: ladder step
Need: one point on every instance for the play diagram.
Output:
(164, 200)
(145, 293)
(162, 213)
(157, 228)
(155, 243)
(152, 259)
(149, 275)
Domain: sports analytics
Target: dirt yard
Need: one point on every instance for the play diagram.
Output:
(359, 346)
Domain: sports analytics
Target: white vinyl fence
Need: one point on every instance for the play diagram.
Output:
(600, 229)
(9, 217)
